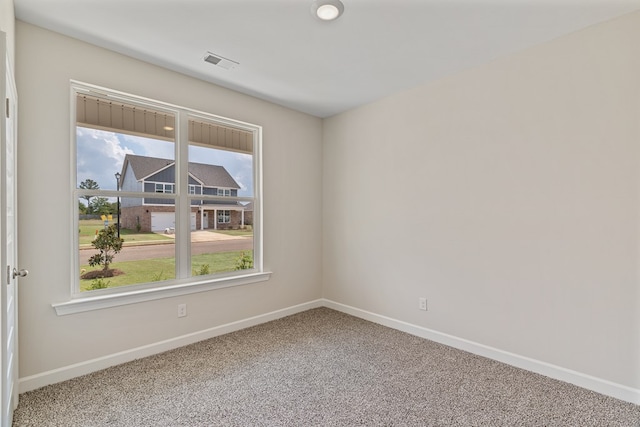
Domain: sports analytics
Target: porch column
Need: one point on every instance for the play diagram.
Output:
(242, 217)
(201, 219)
(215, 219)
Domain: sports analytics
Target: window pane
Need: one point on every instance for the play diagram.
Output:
(221, 161)
(123, 147)
(102, 154)
(220, 247)
(220, 171)
(147, 253)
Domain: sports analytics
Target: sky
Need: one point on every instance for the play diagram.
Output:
(100, 155)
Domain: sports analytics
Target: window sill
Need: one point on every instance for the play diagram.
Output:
(80, 305)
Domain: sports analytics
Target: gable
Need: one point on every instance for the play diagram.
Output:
(143, 166)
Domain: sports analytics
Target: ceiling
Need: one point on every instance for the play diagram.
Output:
(289, 57)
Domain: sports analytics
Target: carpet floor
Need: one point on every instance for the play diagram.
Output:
(318, 368)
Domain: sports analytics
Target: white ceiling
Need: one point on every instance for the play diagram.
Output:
(291, 58)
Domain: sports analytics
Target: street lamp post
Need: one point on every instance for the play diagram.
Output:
(118, 204)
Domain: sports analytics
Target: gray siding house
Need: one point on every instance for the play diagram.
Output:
(155, 175)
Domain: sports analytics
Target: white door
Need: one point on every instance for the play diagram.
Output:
(8, 241)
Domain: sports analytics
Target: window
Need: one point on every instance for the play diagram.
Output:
(164, 188)
(224, 217)
(125, 149)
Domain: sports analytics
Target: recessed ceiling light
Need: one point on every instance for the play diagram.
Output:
(327, 10)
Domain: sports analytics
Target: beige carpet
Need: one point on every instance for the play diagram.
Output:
(319, 368)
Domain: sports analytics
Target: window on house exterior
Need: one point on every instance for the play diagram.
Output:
(164, 188)
(224, 217)
(128, 186)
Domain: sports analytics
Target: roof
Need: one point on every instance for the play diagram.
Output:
(209, 175)
(212, 175)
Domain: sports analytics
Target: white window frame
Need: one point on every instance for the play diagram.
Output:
(184, 283)
(167, 188)
(193, 189)
(224, 192)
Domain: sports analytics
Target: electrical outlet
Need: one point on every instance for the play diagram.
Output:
(182, 310)
(422, 303)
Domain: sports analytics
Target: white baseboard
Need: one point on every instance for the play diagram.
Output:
(589, 382)
(598, 385)
(72, 371)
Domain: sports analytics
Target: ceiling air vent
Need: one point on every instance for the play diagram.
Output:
(218, 60)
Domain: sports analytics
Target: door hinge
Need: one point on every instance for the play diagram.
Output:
(7, 108)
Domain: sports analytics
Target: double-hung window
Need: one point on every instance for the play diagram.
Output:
(164, 188)
(150, 174)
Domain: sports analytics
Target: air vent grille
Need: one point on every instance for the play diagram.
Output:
(220, 61)
(212, 59)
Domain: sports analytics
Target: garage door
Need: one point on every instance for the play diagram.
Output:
(160, 221)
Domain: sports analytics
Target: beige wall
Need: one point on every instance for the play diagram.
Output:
(292, 206)
(514, 196)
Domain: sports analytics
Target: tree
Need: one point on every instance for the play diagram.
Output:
(100, 206)
(113, 208)
(109, 244)
(88, 184)
(82, 208)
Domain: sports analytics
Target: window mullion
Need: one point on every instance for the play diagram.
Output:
(257, 201)
(183, 205)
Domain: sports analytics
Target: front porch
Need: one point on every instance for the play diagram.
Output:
(220, 217)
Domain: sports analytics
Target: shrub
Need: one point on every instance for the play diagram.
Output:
(158, 277)
(109, 244)
(99, 284)
(203, 271)
(244, 262)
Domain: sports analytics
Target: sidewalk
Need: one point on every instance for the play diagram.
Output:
(207, 236)
(197, 236)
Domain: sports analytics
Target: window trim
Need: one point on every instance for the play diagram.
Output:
(98, 302)
(92, 300)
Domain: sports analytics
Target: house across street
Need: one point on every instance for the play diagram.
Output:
(156, 176)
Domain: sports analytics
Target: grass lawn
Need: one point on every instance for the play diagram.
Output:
(88, 228)
(154, 270)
